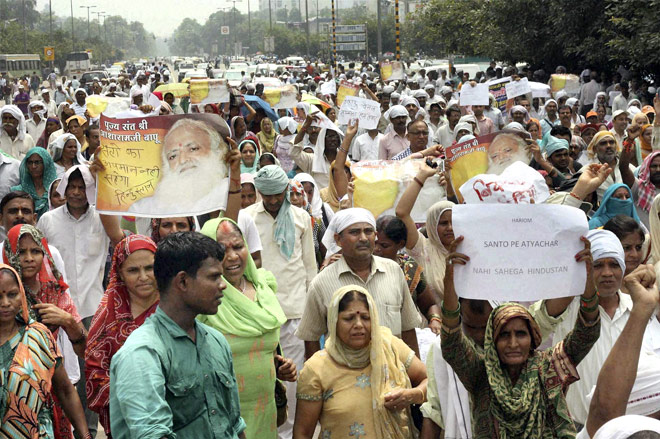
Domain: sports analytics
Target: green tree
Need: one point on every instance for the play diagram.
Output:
(187, 38)
(633, 37)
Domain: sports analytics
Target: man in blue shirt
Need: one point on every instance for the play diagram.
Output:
(174, 376)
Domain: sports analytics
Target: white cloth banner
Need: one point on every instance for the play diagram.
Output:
(477, 95)
(517, 88)
(365, 110)
(519, 252)
(518, 184)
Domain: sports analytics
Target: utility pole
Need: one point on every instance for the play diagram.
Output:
(24, 30)
(379, 42)
(307, 25)
(249, 28)
(73, 39)
(270, 14)
(234, 30)
(98, 20)
(89, 34)
(50, 21)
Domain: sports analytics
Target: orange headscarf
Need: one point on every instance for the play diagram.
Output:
(646, 146)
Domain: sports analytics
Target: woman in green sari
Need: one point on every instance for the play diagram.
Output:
(250, 318)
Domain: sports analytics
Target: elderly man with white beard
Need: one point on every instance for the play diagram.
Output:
(504, 150)
(194, 172)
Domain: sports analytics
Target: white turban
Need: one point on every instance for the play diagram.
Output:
(80, 89)
(605, 244)
(463, 126)
(420, 94)
(288, 123)
(625, 426)
(18, 114)
(90, 182)
(429, 87)
(388, 89)
(515, 126)
(341, 221)
(470, 118)
(395, 95)
(397, 111)
(445, 89)
(407, 100)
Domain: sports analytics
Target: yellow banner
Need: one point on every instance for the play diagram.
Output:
(49, 54)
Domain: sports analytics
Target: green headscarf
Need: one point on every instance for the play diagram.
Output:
(238, 315)
(519, 409)
(27, 185)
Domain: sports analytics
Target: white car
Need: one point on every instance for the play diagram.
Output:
(268, 82)
(241, 66)
(114, 72)
(202, 66)
(233, 77)
(196, 74)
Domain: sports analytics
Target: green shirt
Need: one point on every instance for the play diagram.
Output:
(162, 384)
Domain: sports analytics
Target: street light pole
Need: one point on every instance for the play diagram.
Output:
(89, 34)
(98, 21)
(270, 15)
(73, 39)
(307, 24)
(24, 30)
(379, 43)
(249, 27)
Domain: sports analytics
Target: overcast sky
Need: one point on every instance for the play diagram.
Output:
(158, 16)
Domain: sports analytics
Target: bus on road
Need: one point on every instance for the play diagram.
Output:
(17, 65)
(77, 63)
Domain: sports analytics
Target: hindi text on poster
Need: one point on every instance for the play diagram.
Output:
(163, 166)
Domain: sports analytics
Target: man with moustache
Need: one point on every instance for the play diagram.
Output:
(14, 139)
(194, 172)
(175, 376)
(395, 141)
(353, 231)
(603, 149)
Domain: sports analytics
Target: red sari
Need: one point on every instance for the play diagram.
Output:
(111, 326)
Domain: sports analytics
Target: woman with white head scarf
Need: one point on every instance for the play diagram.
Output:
(429, 252)
(576, 117)
(313, 192)
(64, 154)
(284, 141)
